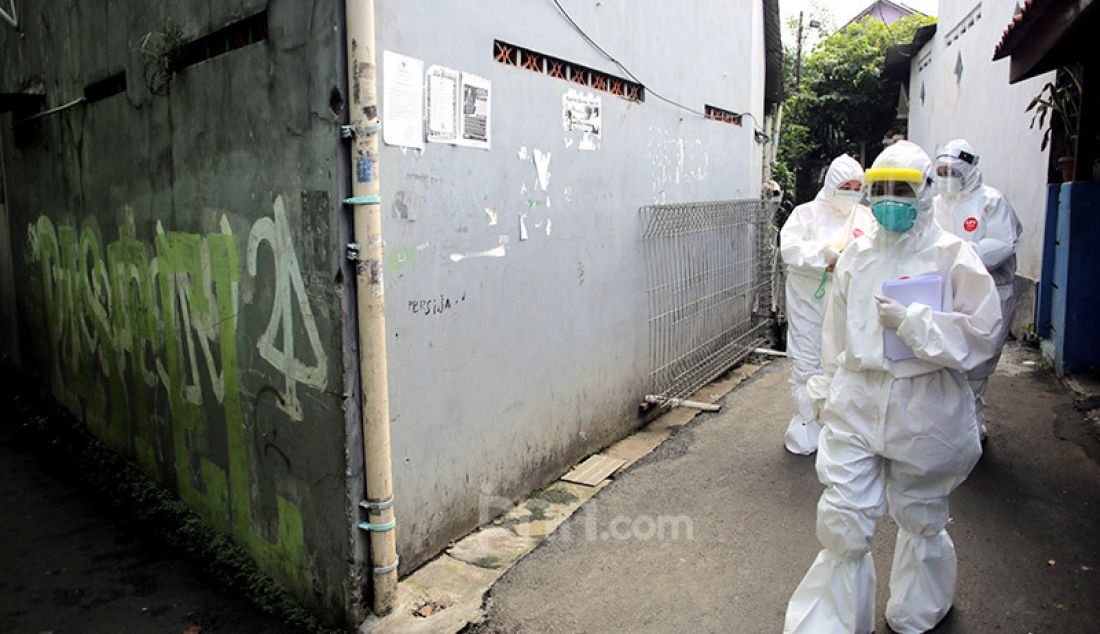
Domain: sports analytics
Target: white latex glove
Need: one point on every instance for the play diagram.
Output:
(890, 311)
(830, 254)
(817, 387)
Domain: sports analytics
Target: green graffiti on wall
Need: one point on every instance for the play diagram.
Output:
(131, 323)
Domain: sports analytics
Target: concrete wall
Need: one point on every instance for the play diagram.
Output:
(541, 355)
(9, 320)
(984, 109)
(177, 264)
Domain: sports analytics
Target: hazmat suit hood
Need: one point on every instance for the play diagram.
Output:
(960, 157)
(843, 169)
(908, 156)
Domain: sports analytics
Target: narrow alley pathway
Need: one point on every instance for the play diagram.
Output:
(68, 564)
(1025, 524)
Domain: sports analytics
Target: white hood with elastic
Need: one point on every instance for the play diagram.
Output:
(825, 221)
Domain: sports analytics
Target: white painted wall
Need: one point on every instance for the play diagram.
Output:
(758, 68)
(543, 354)
(984, 109)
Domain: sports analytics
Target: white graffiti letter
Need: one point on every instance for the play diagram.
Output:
(290, 291)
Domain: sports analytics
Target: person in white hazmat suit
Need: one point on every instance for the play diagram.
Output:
(980, 215)
(810, 242)
(897, 434)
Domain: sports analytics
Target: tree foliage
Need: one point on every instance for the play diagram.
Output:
(842, 105)
(816, 10)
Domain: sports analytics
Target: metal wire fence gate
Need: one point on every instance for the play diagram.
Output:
(709, 278)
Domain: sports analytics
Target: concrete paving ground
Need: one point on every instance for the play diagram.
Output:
(67, 564)
(713, 531)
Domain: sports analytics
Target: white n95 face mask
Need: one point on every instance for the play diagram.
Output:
(844, 199)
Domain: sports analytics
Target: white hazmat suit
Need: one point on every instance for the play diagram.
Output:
(898, 435)
(981, 216)
(810, 242)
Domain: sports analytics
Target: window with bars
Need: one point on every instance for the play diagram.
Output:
(527, 59)
(237, 35)
(720, 114)
(964, 24)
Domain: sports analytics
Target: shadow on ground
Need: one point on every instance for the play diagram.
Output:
(70, 562)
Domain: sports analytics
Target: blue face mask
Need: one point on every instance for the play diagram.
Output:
(894, 213)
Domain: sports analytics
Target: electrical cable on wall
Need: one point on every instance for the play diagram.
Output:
(55, 110)
(758, 133)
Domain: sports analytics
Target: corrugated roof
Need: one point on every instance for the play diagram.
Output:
(1019, 26)
(869, 11)
(1047, 34)
(895, 66)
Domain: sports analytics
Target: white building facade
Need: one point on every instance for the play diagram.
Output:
(956, 90)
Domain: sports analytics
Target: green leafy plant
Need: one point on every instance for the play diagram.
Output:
(1059, 99)
(1029, 335)
(842, 104)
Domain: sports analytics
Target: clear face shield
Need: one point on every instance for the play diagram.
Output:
(953, 168)
(892, 194)
(948, 176)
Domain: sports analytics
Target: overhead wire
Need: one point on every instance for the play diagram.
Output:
(758, 133)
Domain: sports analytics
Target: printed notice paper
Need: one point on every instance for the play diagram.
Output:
(443, 85)
(582, 112)
(402, 100)
(927, 290)
(475, 117)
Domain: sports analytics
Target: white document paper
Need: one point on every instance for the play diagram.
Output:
(582, 112)
(476, 115)
(927, 290)
(402, 100)
(443, 85)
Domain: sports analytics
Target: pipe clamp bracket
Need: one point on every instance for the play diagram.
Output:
(352, 252)
(363, 200)
(385, 570)
(377, 505)
(378, 528)
(351, 131)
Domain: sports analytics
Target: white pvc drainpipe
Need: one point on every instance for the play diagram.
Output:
(366, 203)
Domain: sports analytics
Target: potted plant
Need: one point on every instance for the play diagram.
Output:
(1059, 100)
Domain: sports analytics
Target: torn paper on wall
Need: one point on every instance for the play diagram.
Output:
(492, 213)
(443, 123)
(542, 168)
(582, 113)
(475, 118)
(498, 252)
(402, 100)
